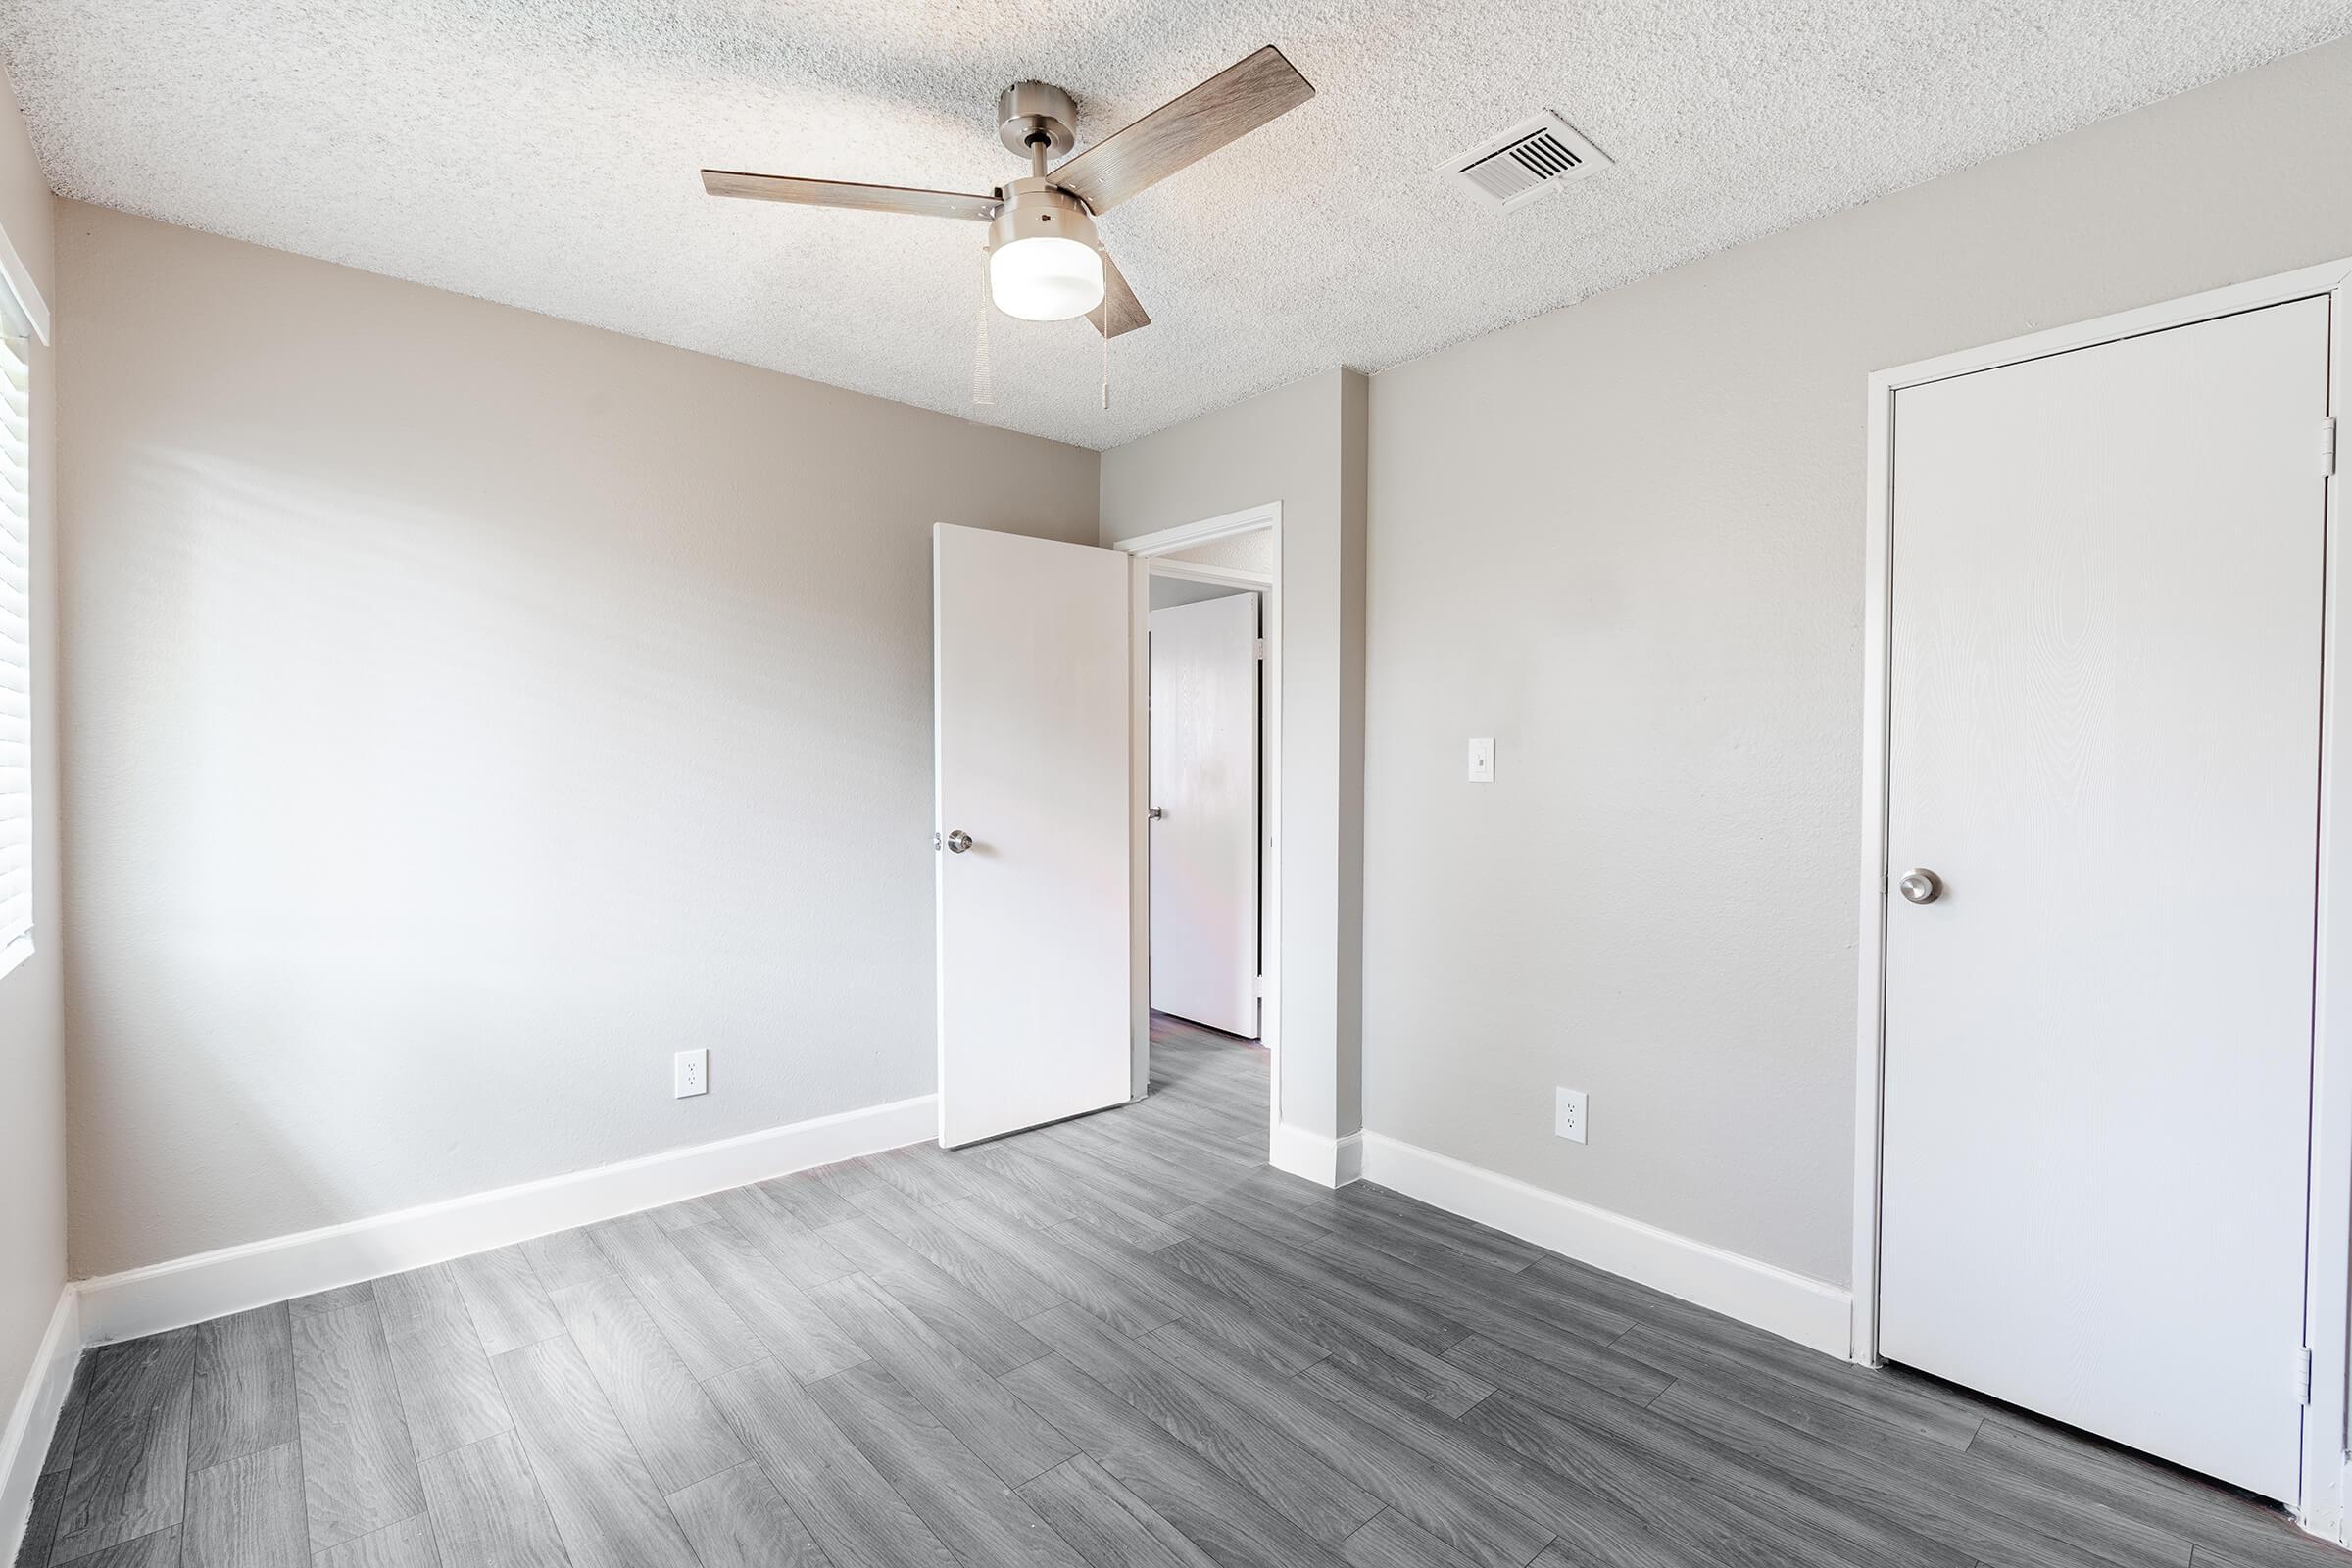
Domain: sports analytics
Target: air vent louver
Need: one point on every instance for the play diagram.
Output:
(1527, 161)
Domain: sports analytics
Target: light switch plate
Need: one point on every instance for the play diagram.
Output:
(1481, 759)
(692, 1075)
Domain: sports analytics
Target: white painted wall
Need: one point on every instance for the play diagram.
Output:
(1626, 540)
(33, 1170)
(1168, 591)
(1240, 551)
(1301, 445)
(467, 710)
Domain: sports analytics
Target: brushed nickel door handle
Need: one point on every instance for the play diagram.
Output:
(1921, 886)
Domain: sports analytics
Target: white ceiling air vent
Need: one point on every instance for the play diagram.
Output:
(1532, 158)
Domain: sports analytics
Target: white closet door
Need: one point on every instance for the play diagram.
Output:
(1033, 705)
(1204, 788)
(2104, 742)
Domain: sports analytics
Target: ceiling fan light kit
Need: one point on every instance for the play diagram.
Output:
(1046, 260)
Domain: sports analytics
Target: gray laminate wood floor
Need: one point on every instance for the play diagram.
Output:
(1121, 1341)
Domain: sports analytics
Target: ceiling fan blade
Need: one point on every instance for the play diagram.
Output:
(1119, 311)
(846, 193)
(1228, 106)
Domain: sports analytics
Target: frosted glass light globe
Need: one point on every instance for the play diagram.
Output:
(1045, 278)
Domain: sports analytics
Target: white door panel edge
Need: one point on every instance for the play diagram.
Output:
(1033, 765)
(1204, 787)
(2102, 764)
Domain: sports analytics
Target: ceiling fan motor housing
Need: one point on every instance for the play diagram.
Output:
(1036, 208)
(1028, 109)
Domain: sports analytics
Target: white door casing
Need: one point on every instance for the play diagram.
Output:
(2103, 697)
(1033, 751)
(1205, 789)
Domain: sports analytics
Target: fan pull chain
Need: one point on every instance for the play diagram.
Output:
(984, 386)
(1106, 358)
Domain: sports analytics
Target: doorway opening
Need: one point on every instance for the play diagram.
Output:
(1208, 669)
(1201, 704)
(1041, 751)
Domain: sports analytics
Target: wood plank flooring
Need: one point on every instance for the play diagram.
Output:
(1117, 1342)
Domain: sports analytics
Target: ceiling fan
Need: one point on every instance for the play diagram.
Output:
(1045, 262)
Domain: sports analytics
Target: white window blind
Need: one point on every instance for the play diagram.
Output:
(15, 653)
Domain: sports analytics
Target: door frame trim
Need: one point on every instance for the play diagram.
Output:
(2327, 1274)
(1147, 549)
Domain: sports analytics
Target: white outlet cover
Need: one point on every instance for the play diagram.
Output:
(1481, 759)
(1568, 1114)
(691, 1074)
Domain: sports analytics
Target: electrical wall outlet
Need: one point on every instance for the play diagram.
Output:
(691, 1074)
(1568, 1114)
(1481, 759)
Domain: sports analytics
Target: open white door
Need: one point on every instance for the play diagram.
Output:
(1205, 813)
(1032, 714)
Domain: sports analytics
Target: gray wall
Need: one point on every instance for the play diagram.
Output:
(467, 710)
(1301, 445)
(1626, 540)
(33, 1170)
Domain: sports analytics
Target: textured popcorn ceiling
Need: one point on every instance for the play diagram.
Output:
(544, 153)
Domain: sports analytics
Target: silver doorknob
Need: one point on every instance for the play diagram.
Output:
(1155, 813)
(959, 841)
(1921, 886)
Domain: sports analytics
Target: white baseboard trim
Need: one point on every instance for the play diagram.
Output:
(1348, 1159)
(32, 1418)
(191, 1290)
(1325, 1162)
(1797, 1307)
